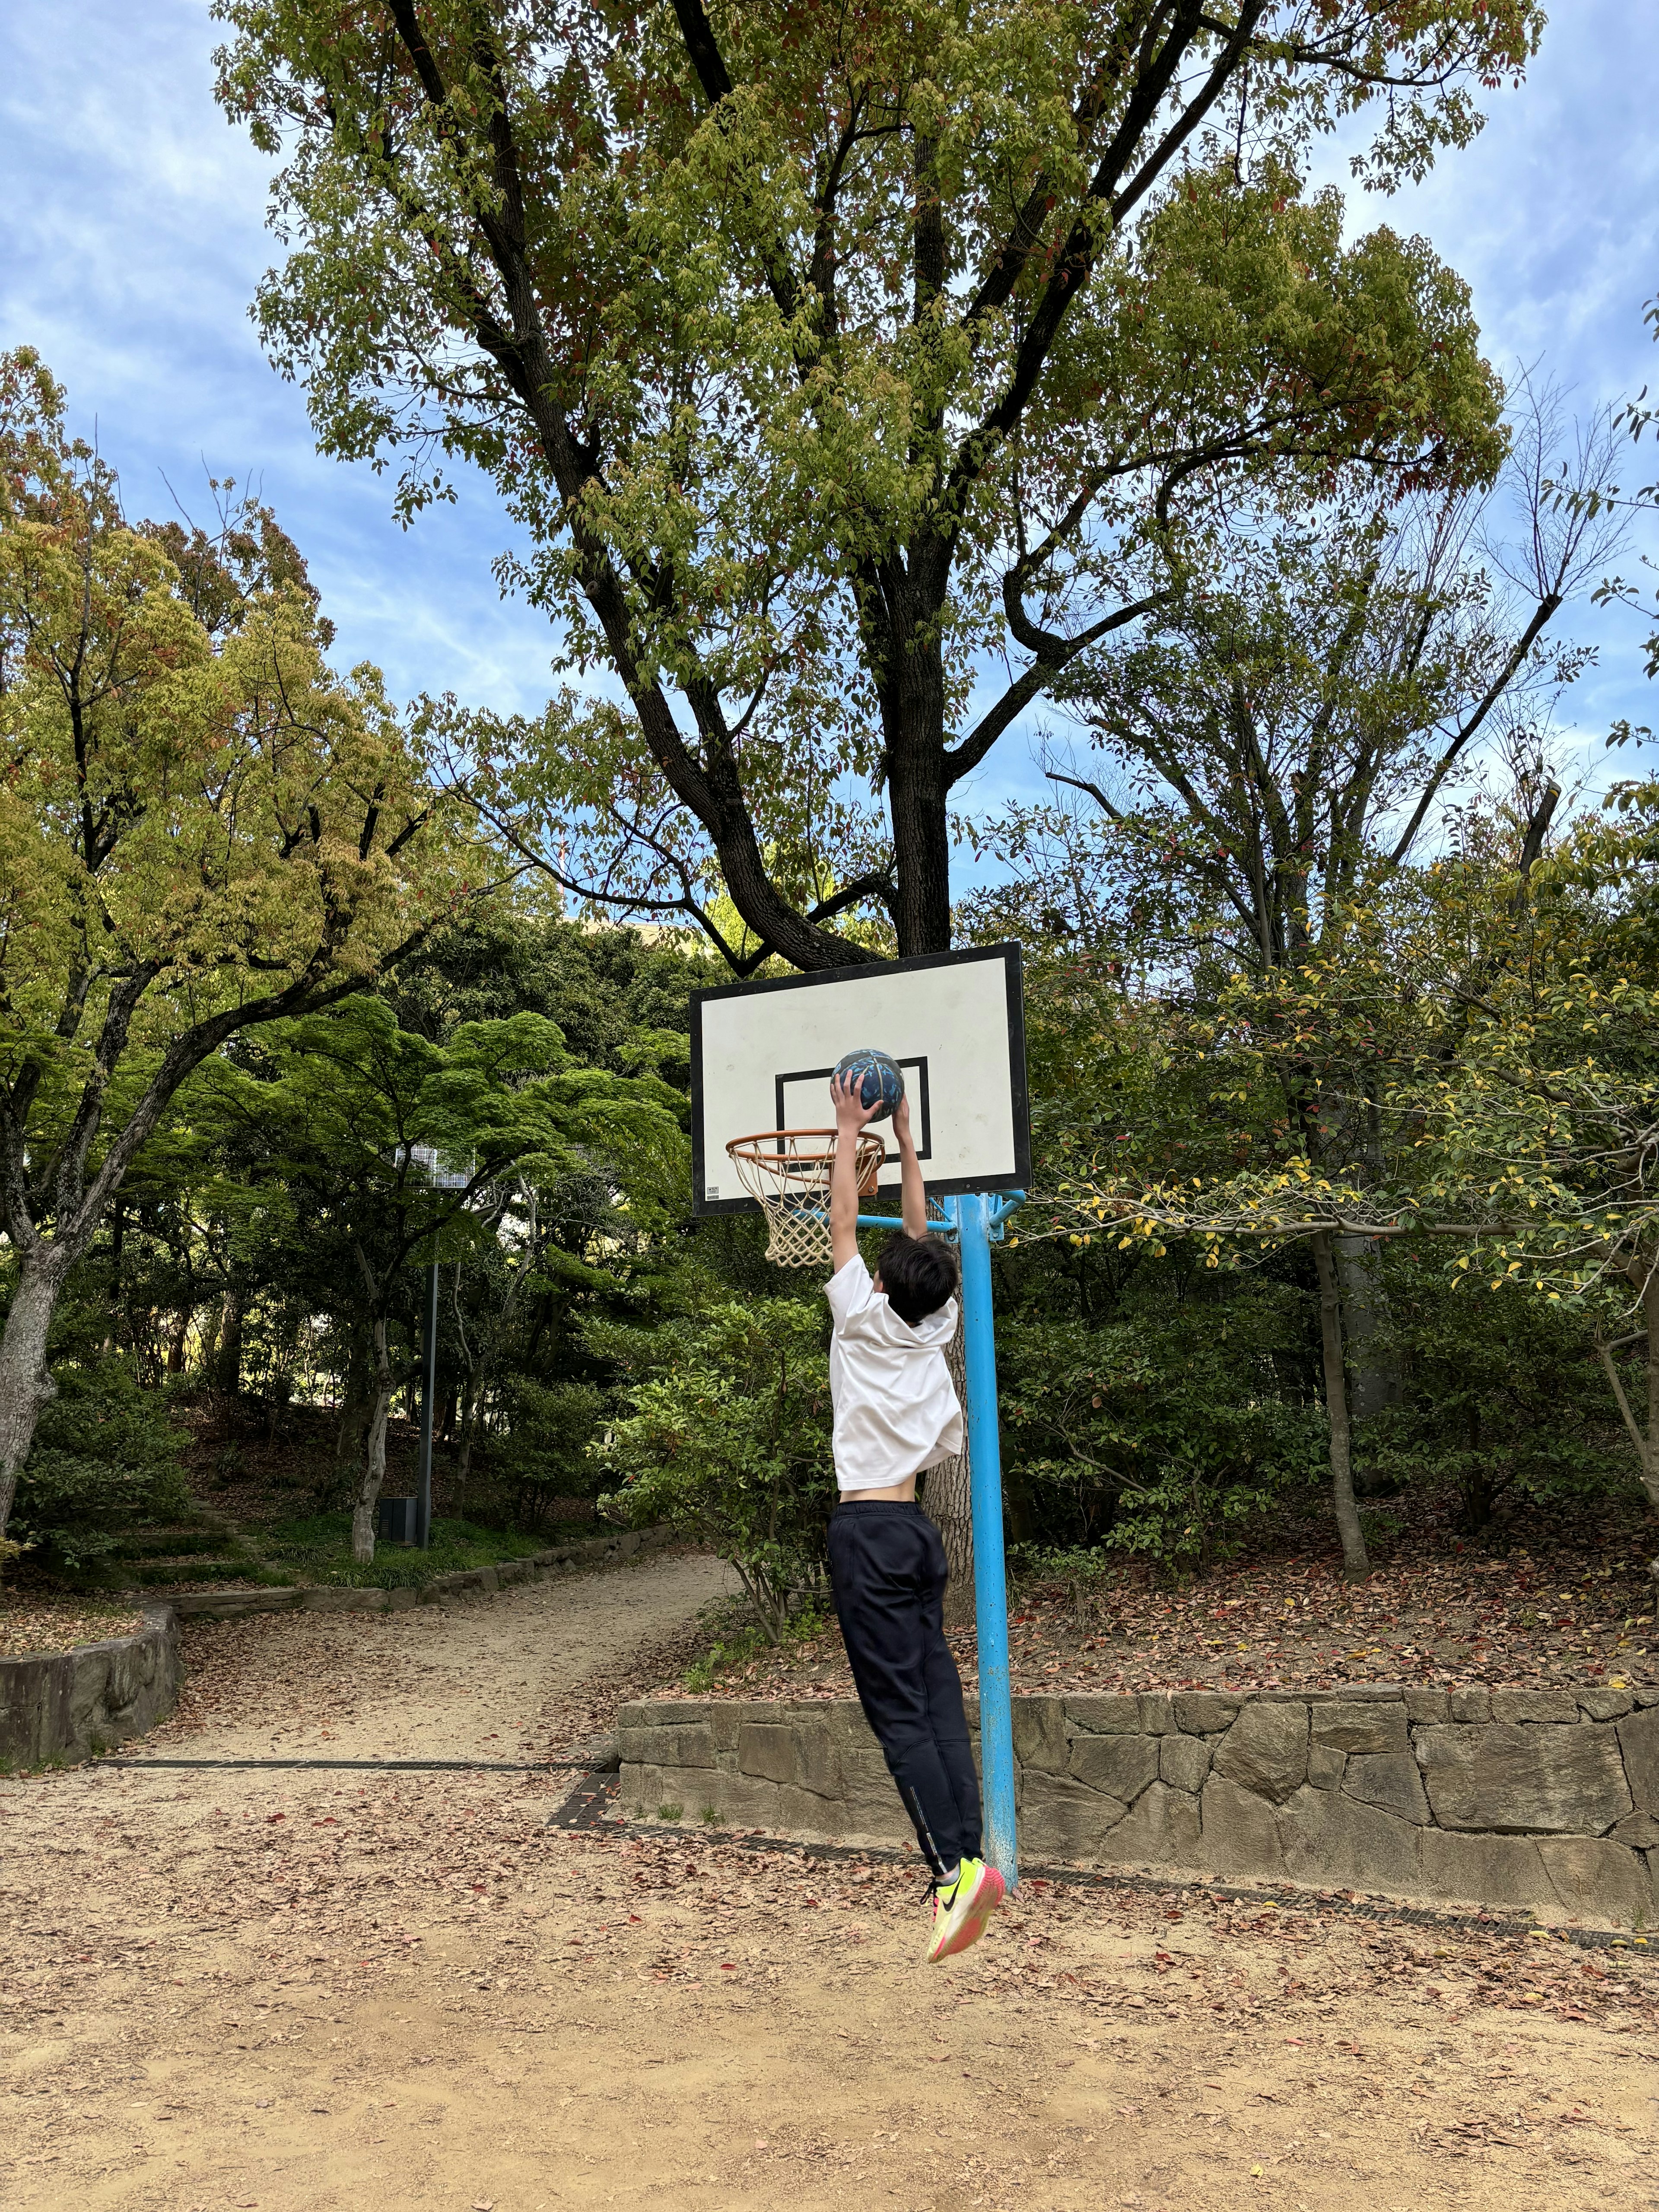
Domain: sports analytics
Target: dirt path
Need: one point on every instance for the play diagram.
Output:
(315, 1990)
(500, 1678)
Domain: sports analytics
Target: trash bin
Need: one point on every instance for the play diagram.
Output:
(395, 1522)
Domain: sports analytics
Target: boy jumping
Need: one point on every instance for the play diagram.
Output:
(895, 1414)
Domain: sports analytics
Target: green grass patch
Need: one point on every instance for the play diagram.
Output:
(318, 1549)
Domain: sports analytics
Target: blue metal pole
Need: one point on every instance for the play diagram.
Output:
(974, 1221)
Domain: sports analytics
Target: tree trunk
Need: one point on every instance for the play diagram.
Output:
(211, 1340)
(374, 1474)
(948, 1498)
(228, 1375)
(1646, 1443)
(351, 1435)
(469, 1432)
(1374, 1381)
(178, 1338)
(917, 794)
(1355, 1561)
(25, 1385)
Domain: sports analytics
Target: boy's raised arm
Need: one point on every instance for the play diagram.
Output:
(913, 1190)
(851, 1115)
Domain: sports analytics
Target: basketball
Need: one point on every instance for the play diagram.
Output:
(878, 1077)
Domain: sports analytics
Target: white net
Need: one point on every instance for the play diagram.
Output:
(788, 1171)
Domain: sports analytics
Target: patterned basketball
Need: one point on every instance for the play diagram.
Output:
(879, 1079)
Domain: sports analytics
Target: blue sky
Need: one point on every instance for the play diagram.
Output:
(131, 238)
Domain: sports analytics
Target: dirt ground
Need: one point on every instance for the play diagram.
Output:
(297, 1991)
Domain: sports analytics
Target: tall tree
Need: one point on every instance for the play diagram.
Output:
(333, 1115)
(822, 355)
(202, 829)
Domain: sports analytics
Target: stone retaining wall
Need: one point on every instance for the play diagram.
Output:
(1544, 1799)
(79, 1702)
(442, 1590)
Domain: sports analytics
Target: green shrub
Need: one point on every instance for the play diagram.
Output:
(545, 1454)
(105, 1460)
(1161, 1434)
(1502, 1401)
(727, 1437)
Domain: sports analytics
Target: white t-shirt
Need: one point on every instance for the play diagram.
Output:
(896, 1405)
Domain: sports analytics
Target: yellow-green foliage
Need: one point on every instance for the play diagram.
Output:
(194, 825)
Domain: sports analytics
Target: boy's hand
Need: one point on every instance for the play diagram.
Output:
(902, 1123)
(851, 1112)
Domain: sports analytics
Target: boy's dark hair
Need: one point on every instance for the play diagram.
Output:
(918, 1273)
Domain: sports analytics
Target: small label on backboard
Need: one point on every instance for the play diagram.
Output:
(713, 1191)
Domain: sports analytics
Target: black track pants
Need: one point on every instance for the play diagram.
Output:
(888, 1573)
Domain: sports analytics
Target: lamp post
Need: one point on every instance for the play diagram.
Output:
(439, 1177)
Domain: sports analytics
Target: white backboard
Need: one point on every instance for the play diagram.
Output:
(761, 1055)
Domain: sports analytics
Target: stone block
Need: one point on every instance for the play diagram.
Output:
(1519, 1707)
(1328, 1837)
(1157, 1712)
(1348, 1725)
(74, 1705)
(803, 1813)
(1121, 1766)
(1354, 1693)
(489, 1579)
(1266, 1749)
(324, 1598)
(857, 1731)
(1183, 1761)
(1638, 1740)
(1427, 1705)
(1598, 1879)
(400, 1600)
(740, 1800)
(1204, 1712)
(1240, 1836)
(1039, 1730)
(1468, 1705)
(870, 1800)
(1104, 1715)
(1161, 1828)
(464, 1582)
(1483, 1870)
(817, 1759)
(663, 1712)
(1389, 1779)
(640, 1789)
(1061, 1819)
(724, 1721)
(1514, 1779)
(765, 1750)
(233, 1605)
(1325, 1765)
(1639, 1830)
(691, 1743)
(1604, 1704)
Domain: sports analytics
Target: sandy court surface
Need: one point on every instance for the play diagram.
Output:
(303, 1990)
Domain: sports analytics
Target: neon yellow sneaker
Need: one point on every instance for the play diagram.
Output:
(960, 1913)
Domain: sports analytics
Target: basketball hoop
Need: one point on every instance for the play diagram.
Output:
(788, 1172)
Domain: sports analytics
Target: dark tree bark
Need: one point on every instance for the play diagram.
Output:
(1356, 1561)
